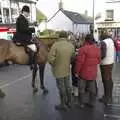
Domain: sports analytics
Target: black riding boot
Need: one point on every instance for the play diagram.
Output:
(31, 59)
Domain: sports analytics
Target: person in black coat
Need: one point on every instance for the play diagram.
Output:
(23, 31)
(23, 34)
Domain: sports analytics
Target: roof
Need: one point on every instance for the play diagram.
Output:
(40, 16)
(77, 17)
(27, 1)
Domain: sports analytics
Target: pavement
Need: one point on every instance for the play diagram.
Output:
(21, 104)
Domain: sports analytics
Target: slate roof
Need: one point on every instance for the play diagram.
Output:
(27, 1)
(78, 18)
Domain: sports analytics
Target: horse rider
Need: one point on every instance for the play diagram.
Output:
(23, 34)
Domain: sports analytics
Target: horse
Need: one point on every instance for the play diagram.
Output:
(9, 51)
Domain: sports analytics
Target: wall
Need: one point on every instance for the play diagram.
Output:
(116, 8)
(81, 28)
(60, 22)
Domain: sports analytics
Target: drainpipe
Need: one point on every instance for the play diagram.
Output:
(73, 27)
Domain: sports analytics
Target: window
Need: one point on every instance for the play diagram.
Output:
(14, 13)
(109, 15)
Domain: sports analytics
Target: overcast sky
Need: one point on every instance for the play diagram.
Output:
(49, 7)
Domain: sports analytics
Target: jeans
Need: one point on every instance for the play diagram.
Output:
(63, 84)
(118, 56)
(90, 85)
(91, 88)
(106, 73)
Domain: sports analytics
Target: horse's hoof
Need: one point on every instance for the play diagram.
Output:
(2, 94)
(45, 91)
(35, 90)
(33, 86)
(42, 87)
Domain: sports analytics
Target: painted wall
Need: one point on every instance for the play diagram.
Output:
(81, 28)
(116, 8)
(60, 22)
(111, 6)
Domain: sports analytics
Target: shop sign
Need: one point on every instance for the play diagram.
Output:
(108, 25)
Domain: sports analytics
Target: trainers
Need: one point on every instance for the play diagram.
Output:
(102, 100)
(80, 105)
(60, 107)
(91, 105)
(69, 104)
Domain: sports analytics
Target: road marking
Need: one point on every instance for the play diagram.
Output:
(3, 82)
(16, 81)
(114, 105)
(112, 116)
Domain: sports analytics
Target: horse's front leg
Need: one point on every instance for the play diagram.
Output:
(41, 74)
(34, 75)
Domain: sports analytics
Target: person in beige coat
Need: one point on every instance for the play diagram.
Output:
(60, 58)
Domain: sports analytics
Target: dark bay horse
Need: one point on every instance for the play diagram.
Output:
(9, 51)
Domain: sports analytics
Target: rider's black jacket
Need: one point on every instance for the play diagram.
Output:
(23, 31)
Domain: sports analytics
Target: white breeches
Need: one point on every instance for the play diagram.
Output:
(32, 47)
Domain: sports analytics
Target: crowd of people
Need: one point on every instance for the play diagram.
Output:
(85, 62)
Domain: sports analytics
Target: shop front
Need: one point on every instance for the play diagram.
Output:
(114, 27)
(7, 33)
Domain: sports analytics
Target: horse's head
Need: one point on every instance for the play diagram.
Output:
(48, 42)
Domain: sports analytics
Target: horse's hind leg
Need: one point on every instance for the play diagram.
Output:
(41, 74)
(34, 75)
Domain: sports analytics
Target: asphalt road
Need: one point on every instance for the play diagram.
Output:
(21, 104)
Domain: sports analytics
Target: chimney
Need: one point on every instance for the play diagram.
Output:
(86, 13)
(60, 5)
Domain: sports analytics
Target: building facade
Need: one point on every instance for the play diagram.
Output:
(110, 18)
(70, 21)
(10, 9)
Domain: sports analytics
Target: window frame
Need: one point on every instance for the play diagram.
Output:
(109, 17)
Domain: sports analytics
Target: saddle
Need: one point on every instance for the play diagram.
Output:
(27, 49)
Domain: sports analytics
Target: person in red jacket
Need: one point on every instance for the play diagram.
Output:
(88, 58)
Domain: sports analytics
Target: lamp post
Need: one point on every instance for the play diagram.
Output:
(93, 17)
(95, 30)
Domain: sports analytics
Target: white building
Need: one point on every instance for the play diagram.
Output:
(69, 21)
(9, 10)
(110, 18)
